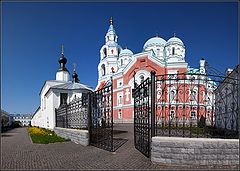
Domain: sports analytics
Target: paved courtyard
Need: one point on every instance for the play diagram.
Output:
(18, 152)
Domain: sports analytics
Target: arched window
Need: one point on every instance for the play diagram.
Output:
(173, 51)
(105, 52)
(119, 51)
(121, 62)
(141, 78)
(193, 115)
(120, 100)
(103, 69)
(63, 98)
(172, 95)
(193, 95)
(172, 114)
(119, 115)
(158, 52)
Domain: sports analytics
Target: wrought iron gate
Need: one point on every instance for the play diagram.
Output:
(94, 113)
(101, 118)
(144, 115)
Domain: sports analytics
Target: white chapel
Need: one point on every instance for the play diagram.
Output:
(58, 92)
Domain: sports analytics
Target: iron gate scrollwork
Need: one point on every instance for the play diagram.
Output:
(101, 118)
(95, 113)
(74, 114)
(190, 105)
(142, 122)
(196, 105)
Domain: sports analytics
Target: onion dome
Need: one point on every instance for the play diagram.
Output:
(126, 52)
(74, 75)
(62, 61)
(175, 39)
(154, 41)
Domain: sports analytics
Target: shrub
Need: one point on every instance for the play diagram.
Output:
(44, 136)
(16, 124)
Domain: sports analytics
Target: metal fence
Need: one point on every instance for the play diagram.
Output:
(74, 114)
(196, 105)
(95, 113)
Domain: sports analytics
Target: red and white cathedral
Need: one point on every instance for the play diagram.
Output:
(164, 57)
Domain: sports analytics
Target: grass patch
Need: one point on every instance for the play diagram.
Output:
(44, 136)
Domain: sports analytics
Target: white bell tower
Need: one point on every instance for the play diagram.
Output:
(109, 54)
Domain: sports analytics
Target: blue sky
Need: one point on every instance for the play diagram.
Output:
(32, 34)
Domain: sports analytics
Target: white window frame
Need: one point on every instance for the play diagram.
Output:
(120, 98)
(169, 96)
(119, 114)
(118, 83)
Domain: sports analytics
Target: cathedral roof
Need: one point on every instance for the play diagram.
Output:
(56, 84)
(72, 86)
(154, 41)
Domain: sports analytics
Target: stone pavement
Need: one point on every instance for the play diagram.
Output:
(18, 152)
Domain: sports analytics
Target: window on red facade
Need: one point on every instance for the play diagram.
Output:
(119, 115)
(119, 100)
(193, 95)
(172, 114)
(172, 95)
(141, 78)
(193, 115)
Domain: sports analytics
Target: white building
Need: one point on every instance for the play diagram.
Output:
(57, 92)
(24, 119)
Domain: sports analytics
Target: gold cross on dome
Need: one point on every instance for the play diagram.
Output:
(62, 49)
(74, 66)
(111, 20)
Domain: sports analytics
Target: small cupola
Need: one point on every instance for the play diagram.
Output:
(74, 75)
(62, 73)
(62, 61)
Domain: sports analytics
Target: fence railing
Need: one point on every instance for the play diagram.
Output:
(74, 114)
(194, 105)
